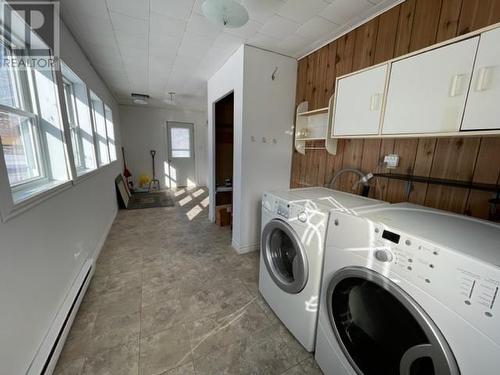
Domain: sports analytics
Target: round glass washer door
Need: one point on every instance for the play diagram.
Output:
(382, 330)
(284, 256)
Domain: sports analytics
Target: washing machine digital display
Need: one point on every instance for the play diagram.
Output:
(391, 236)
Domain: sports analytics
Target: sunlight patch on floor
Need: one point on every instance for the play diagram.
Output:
(193, 212)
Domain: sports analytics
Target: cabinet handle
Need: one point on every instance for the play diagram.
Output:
(482, 79)
(375, 102)
(456, 85)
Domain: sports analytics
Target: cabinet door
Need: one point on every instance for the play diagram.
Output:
(482, 110)
(358, 103)
(427, 92)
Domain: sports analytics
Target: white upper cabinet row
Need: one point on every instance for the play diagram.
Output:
(443, 91)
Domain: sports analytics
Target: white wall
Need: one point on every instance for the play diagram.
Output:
(264, 109)
(268, 112)
(43, 249)
(143, 129)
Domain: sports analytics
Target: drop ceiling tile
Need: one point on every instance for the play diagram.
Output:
(300, 10)
(294, 43)
(228, 41)
(264, 41)
(195, 46)
(200, 25)
(174, 8)
(132, 8)
(262, 10)
(246, 31)
(161, 25)
(343, 11)
(316, 28)
(87, 8)
(278, 27)
(133, 46)
(126, 25)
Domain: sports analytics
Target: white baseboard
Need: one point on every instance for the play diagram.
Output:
(245, 249)
(45, 359)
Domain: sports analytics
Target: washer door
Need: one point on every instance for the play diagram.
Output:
(382, 330)
(284, 256)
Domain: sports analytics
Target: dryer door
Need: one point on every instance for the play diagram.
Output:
(382, 330)
(284, 256)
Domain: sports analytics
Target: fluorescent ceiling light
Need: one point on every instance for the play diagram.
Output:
(225, 13)
(140, 98)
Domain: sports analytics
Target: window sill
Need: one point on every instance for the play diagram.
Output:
(35, 197)
(85, 175)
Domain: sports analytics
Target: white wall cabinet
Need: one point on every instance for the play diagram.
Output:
(483, 103)
(427, 92)
(359, 101)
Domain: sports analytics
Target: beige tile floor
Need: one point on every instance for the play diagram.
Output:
(170, 296)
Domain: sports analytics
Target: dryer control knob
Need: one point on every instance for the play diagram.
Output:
(302, 217)
(383, 256)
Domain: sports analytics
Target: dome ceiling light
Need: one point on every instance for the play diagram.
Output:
(225, 13)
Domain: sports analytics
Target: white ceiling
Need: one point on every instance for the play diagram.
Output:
(157, 46)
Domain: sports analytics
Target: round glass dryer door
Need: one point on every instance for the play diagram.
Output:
(382, 330)
(284, 256)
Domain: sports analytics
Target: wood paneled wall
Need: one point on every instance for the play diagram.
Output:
(410, 26)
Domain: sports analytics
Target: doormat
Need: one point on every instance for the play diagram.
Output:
(151, 200)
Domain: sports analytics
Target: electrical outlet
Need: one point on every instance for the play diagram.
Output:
(391, 161)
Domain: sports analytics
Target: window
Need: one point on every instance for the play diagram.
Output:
(30, 130)
(110, 129)
(78, 118)
(180, 139)
(100, 129)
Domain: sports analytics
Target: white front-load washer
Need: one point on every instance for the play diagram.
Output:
(292, 244)
(410, 290)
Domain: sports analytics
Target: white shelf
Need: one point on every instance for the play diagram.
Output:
(314, 125)
(314, 112)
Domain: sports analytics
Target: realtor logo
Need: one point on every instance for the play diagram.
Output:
(30, 29)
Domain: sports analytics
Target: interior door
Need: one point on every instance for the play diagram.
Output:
(284, 256)
(180, 168)
(382, 330)
(359, 102)
(482, 111)
(427, 92)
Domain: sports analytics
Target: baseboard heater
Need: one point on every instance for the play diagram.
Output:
(46, 357)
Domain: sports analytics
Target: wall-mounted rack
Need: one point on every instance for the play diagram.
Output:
(314, 125)
(441, 181)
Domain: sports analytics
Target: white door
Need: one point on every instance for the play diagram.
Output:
(427, 92)
(358, 103)
(483, 110)
(180, 169)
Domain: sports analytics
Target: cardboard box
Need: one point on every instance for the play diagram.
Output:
(223, 215)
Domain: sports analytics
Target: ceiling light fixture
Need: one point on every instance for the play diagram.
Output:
(140, 98)
(171, 100)
(225, 13)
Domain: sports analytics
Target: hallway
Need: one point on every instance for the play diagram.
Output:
(170, 296)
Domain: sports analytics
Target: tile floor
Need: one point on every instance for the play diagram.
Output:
(171, 297)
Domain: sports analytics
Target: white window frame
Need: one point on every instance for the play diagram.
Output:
(16, 198)
(110, 124)
(95, 98)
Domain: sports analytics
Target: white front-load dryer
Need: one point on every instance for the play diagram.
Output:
(409, 290)
(292, 245)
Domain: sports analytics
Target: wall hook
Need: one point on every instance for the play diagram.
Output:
(273, 76)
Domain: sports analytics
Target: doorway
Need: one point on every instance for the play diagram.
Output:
(180, 166)
(224, 133)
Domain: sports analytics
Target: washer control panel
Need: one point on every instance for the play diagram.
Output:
(466, 285)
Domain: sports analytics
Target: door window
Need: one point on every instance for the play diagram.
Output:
(180, 139)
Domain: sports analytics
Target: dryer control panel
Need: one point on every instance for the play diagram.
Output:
(464, 284)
